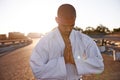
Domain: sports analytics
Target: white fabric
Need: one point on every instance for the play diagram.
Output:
(102, 48)
(116, 56)
(47, 61)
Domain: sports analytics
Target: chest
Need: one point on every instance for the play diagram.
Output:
(56, 48)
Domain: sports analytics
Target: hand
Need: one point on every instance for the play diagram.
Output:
(68, 56)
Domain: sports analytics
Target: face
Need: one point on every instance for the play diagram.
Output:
(65, 25)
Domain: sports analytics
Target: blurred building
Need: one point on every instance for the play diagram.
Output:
(3, 37)
(34, 35)
(16, 35)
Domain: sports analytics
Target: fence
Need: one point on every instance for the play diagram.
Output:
(9, 45)
(12, 42)
(109, 47)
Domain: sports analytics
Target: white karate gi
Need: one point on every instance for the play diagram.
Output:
(47, 60)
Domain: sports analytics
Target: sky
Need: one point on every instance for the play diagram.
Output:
(39, 15)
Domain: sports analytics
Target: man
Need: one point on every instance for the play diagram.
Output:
(65, 54)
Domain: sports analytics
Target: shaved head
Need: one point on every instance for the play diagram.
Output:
(66, 11)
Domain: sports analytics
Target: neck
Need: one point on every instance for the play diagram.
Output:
(64, 33)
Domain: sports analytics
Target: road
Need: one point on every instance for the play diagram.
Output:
(15, 65)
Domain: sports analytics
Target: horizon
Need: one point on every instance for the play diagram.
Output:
(46, 32)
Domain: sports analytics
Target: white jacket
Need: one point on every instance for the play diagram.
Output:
(47, 61)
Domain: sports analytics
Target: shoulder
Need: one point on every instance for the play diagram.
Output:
(82, 35)
(48, 36)
(85, 38)
(45, 41)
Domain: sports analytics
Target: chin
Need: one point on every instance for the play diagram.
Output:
(67, 33)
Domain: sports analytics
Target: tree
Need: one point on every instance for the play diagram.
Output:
(102, 29)
(78, 29)
(89, 30)
(116, 30)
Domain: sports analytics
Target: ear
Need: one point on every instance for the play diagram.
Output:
(56, 19)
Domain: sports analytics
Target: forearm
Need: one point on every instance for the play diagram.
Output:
(54, 68)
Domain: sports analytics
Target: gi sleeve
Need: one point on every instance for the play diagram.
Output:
(43, 68)
(91, 61)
